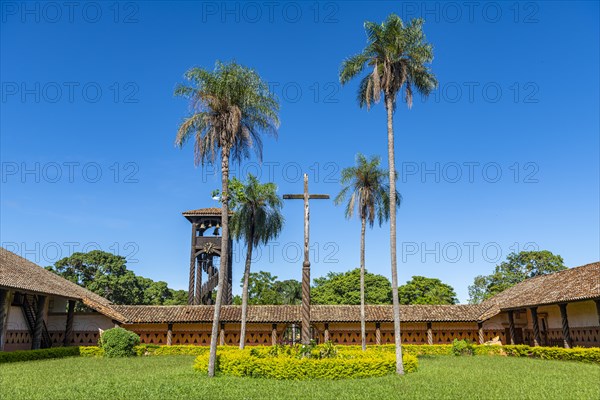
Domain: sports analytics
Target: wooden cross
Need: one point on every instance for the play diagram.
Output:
(306, 264)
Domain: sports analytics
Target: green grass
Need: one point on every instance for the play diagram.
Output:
(172, 377)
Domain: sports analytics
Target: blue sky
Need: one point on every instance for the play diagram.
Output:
(503, 157)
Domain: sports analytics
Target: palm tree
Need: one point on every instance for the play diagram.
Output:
(229, 108)
(366, 186)
(398, 56)
(257, 219)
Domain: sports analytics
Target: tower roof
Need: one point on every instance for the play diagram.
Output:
(210, 211)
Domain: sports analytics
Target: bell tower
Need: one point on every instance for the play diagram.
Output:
(205, 256)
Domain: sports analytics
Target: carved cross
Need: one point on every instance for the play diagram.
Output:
(306, 264)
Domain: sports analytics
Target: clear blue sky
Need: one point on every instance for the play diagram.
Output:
(504, 156)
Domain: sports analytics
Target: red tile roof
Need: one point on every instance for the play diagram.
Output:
(21, 274)
(574, 284)
(288, 313)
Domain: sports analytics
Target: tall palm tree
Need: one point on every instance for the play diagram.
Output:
(229, 108)
(257, 219)
(397, 56)
(366, 187)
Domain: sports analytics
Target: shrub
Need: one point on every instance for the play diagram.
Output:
(30, 355)
(91, 351)
(462, 348)
(281, 365)
(119, 342)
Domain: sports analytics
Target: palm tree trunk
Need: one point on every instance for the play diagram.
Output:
(245, 288)
(389, 105)
(224, 260)
(363, 333)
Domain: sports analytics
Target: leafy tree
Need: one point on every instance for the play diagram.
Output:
(107, 275)
(178, 297)
(261, 288)
(344, 288)
(289, 291)
(264, 288)
(422, 290)
(230, 107)
(515, 269)
(366, 188)
(397, 56)
(257, 219)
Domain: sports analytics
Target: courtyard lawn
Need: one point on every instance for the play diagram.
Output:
(172, 377)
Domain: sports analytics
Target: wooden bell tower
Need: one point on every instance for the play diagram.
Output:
(205, 256)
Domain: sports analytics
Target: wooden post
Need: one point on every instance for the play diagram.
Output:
(326, 337)
(429, 334)
(378, 333)
(222, 335)
(294, 333)
(229, 288)
(192, 265)
(306, 271)
(536, 327)
(4, 305)
(568, 343)
(511, 326)
(69, 325)
(36, 341)
(598, 309)
(305, 337)
(169, 334)
(480, 333)
(198, 295)
(273, 334)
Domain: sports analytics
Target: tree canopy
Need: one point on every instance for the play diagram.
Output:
(422, 290)
(344, 288)
(107, 275)
(515, 269)
(264, 288)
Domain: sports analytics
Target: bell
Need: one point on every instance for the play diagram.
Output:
(216, 232)
(209, 224)
(202, 226)
(218, 226)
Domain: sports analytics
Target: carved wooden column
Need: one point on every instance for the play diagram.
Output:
(36, 341)
(273, 334)
(480, 333)
(326, 333)
(192, 265)
(169, 334)
(69, 325)
(222, 335)
(377, 333)
(4, 305)
(511, 326)
(598, 309)
(565, 326)
(536, 327)
(429, 334)
(198, 295)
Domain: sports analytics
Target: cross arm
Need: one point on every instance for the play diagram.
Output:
(301, 196)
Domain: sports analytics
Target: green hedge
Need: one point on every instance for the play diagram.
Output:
(546, 353)
(348, 363)
(42, 354)
(91, 351)
(119, 342)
